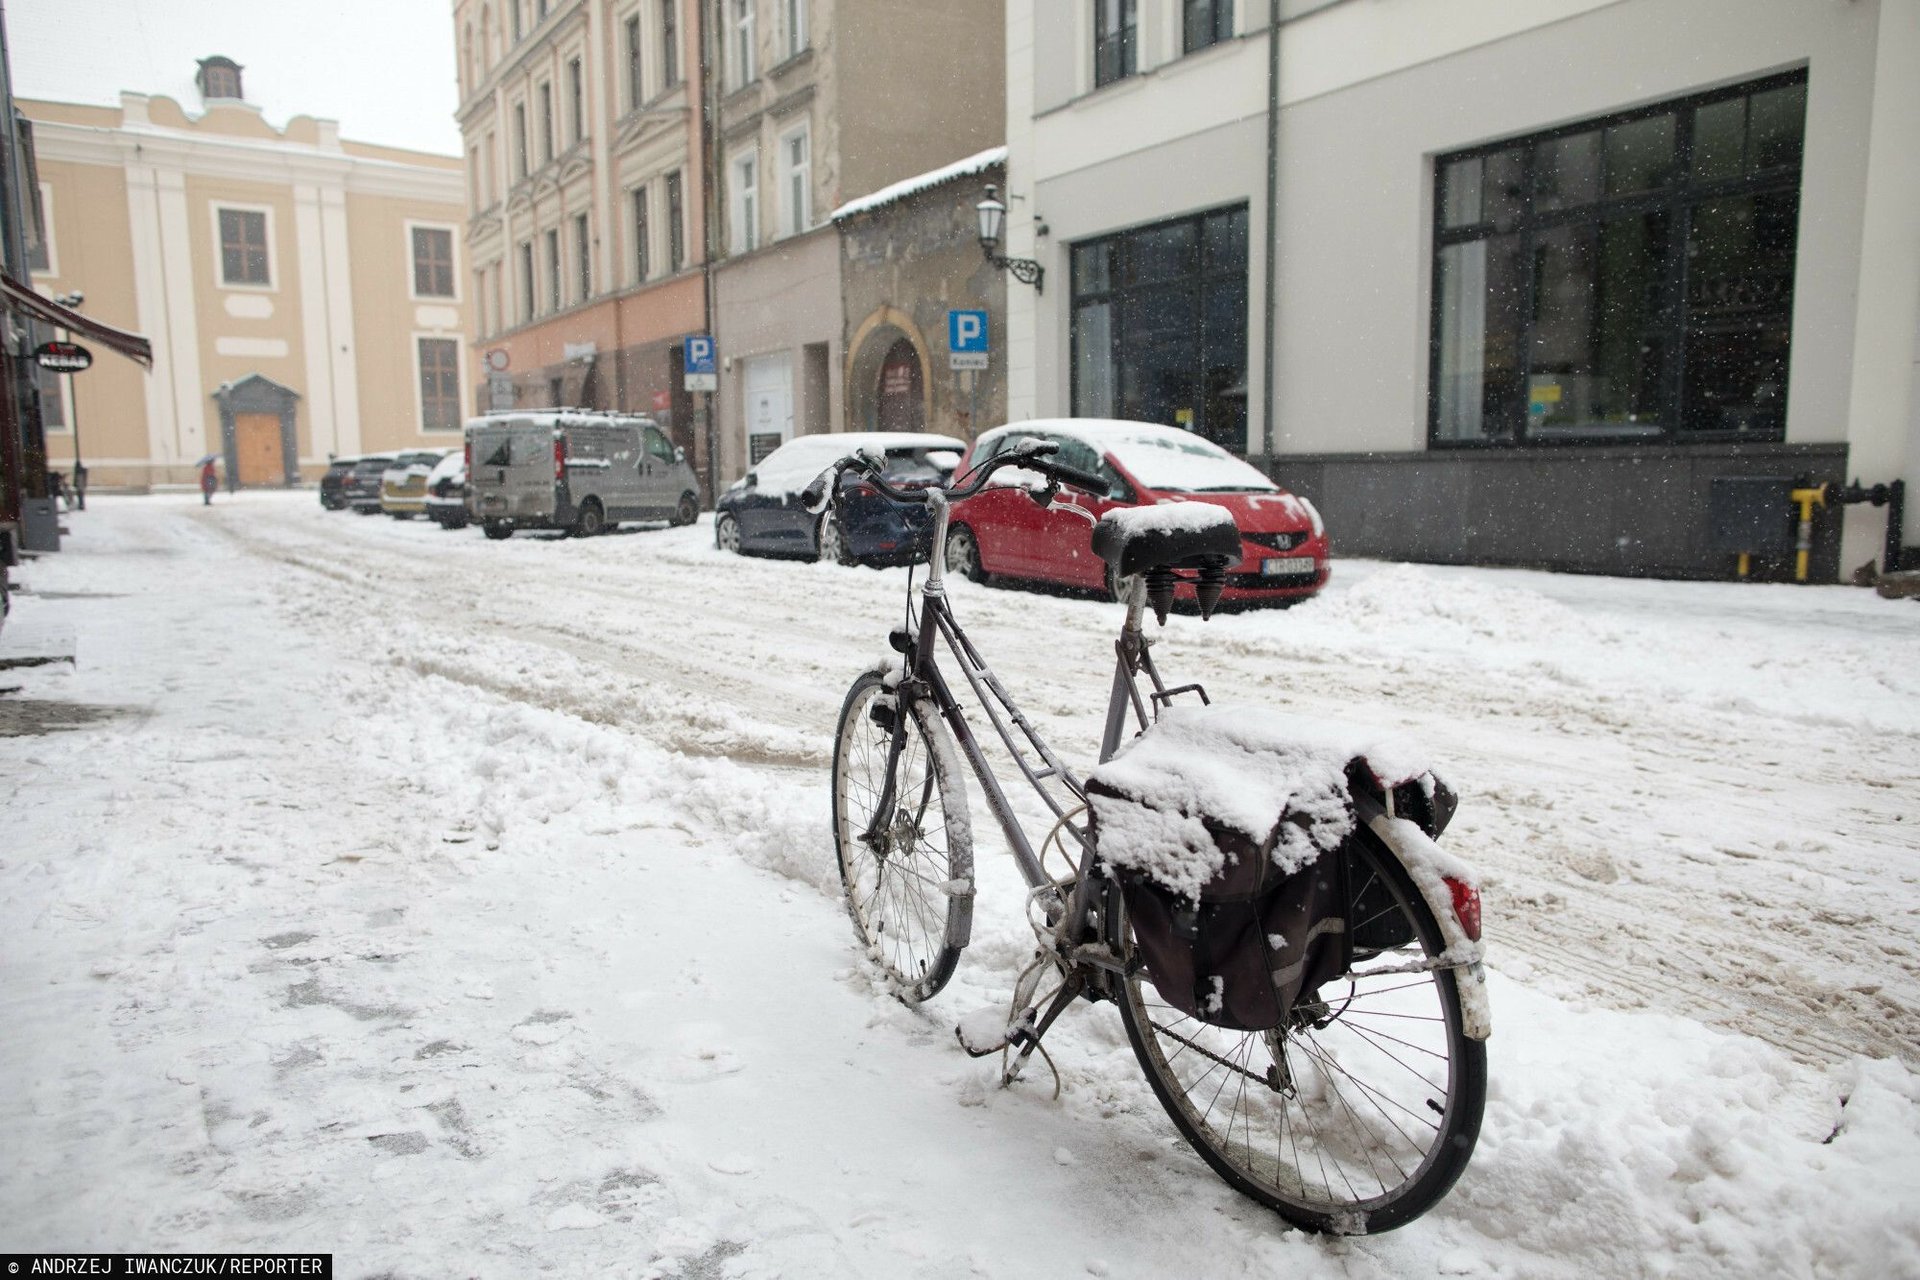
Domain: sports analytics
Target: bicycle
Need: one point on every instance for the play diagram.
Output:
(1361, 1106)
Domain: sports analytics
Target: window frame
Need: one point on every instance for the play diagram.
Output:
(742, 52)
(676, 222)
(636, 62)
(743, 200)
(640, 206)
(793, 17)
(1680, 196)
(556, 302)
(669, 44)
(413, 228)
(271, 283)
(529, 283)
(1222, 17)
(544, 91)
(49, 266)
(583, 255)
(522, 142)
(1127, 14)
(796, 219)
(577, 98)
(457, 374)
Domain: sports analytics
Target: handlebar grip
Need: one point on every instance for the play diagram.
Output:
(1077, 478)
(814, 496)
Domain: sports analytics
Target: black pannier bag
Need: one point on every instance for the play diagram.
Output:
(1256, 941)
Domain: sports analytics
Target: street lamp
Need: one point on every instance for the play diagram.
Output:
(74, 299)
(993, 217)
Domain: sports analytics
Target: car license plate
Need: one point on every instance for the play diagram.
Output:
(1291, 567)
(493, 502)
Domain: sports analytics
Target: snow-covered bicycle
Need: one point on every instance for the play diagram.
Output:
(1296, 962)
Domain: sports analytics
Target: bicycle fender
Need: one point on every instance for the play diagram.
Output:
(1423, 859)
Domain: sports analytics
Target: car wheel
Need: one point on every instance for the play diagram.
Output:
(687, 512)
(590, 521)
(963, 554)
(830, 542)
(459, 521)
(367, 511)
(498, 529)
(726, 534)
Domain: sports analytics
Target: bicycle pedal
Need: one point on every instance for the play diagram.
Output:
(984, 1031)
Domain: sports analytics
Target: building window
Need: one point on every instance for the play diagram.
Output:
(1160, 326)
(526, 280)
(546, 123)
(669, 44)
(794, 18)
(741, 44)
(796, 186)
(636, 91)
(520, 138)
(577, 99)
(519, 19)
(642, 237)
(1621, 279)
(744, 233)
(40, 251)
(1116, 27)
(432, 262)
(676, 225)
(540, 11)
(553, 270)
(487, 153)
(1206, 23)
(583, 249)
(243, 247)
(439, 384)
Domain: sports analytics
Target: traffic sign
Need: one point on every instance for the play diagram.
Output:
(498, 360)
(701, 375)
(500, 391)
(63, 357)
(967, 331)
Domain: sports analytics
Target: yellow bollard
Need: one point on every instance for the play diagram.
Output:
(1807, 498)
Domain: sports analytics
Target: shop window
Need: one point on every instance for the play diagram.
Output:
(1627, 278)
(1160, 326)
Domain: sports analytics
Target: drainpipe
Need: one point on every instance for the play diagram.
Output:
(1270, 249)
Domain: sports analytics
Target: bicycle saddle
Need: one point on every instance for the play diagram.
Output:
(1172, 535)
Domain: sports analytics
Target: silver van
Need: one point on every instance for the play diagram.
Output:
(577, 469)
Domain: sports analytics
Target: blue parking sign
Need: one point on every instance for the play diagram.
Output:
(967, 331)
(699, 373)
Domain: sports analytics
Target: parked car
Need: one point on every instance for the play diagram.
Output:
(1003, 532)
(575, 469)
(333, 484)
(446, 500)
(361, 488)
(403, 485)
(762, 510)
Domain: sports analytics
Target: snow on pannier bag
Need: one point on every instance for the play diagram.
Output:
(1228, 830)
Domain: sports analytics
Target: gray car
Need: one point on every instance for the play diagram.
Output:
(575, 469)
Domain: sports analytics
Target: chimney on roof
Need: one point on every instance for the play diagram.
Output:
(219, 79)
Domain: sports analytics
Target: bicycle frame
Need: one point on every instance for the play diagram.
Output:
(923, 678)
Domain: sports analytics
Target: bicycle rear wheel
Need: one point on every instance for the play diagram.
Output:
(1359, 1114)
(908, 871)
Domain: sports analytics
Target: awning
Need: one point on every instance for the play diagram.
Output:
(131, 345)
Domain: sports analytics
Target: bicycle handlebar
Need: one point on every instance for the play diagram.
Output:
(1028, 454)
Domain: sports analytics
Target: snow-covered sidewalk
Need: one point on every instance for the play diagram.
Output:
(469, 908)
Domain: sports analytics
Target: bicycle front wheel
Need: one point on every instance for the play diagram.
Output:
(1359, 1113)
(904, 840)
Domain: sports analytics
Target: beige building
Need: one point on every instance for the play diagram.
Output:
(305, 295)
(581, 123)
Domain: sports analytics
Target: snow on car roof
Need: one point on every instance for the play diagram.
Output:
(453, 464)
(1159, 457)
(792, 466)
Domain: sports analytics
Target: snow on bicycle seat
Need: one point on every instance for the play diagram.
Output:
(1177, 535)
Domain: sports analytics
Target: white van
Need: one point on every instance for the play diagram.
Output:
(578, 469)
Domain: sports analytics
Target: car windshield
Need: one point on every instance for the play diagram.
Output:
(1173, 462)
(920, 466)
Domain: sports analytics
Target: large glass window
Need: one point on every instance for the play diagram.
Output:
(1160, 326)
(1622, 279)
(1116, 32)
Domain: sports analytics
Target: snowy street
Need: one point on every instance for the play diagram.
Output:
(470, 908)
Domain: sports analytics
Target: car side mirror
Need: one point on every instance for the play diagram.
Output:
(679, 453)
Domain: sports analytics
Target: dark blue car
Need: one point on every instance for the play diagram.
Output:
(763, 512)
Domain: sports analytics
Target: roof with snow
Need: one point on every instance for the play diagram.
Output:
(977, 163)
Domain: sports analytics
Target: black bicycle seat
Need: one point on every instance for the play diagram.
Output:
(1177, 535)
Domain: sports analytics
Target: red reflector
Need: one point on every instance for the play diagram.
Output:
(1466, 908)
(866, 490)
(559, 457)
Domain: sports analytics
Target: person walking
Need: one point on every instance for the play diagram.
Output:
(209, 481)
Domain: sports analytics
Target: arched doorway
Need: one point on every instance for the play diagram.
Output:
(899, 397)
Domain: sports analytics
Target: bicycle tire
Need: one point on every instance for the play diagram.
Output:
(1392, 1162)
(913, 914)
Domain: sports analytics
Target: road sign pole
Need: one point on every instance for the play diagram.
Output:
(79, 467)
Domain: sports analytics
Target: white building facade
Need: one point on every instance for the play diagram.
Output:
(1547, 277)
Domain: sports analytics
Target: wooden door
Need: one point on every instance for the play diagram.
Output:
(257, 444)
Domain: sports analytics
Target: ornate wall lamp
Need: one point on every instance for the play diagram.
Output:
(993, 219)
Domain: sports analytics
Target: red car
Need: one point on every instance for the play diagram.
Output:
(1001, 532)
